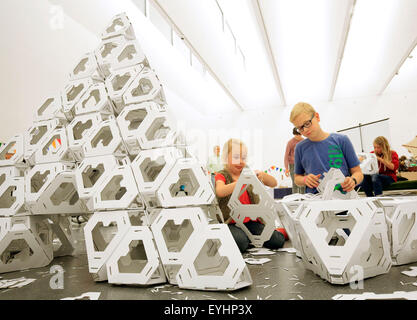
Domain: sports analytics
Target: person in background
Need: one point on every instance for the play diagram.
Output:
(234, 158)
(388, 164)
(289, 160)
(214, 163)
(321, 151)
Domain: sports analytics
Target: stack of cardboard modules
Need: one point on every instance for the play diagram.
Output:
(150, 201)
(348, 239)
(107, 146)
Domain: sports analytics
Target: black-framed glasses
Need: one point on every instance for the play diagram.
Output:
(306, 125)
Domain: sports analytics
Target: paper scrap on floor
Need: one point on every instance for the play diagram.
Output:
(257, 261)
(86, 296)
(289, 250)
(15, 283)
(260, 251)
(410, 273)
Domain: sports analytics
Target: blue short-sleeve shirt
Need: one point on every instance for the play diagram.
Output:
(336, 151)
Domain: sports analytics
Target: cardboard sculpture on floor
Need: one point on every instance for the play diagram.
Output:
(146, 126)
(12, 153)
(402, 228)
(196, 251)
(12, 191)
(50, 109)
(51, 189)
(79, 131)
(369, 163)
(87, 67)
(95, 99)
(60, 225)
(37, 135)
(95, 147)
(26, 242)
(90, 175)
(105, 139)
(136, 260)
(263, 209)
(339, 236)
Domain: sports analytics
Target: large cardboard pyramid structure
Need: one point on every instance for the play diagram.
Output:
(107, 145)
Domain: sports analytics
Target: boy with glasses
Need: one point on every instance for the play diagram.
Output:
(321, 151)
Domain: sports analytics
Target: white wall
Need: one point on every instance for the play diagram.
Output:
(276, 130)
(39, 47)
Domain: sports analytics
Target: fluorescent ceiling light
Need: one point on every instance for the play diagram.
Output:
(304, 37)
(380, 34)
(406, 79)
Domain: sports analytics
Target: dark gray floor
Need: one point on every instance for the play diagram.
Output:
(270, 281)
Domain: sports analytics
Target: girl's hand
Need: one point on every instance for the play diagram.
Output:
(260, 175)
(287, 172)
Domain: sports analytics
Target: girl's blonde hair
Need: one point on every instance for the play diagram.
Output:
(384, 144)
(228, 147)
(300, 108)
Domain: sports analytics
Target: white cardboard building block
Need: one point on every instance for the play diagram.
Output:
(118, 191)
(213, 262)
(79, 131)
(5, 226)
(87, 67)
(72, 93)
(119, 26)
(369, 163)
(150, 168)
(91, 173)
(12, 153)
(146, 126)
(106, 53)
(401, 214)
(145, 87)
(197, 190)
(95, 99)
(105, 139)
(136, 260)
(37, 135)
(129, 54)
(103, 233)
(61, 228)
(329, 183)
(331, 252)
(117, 83)
(54, 149)
(264, 209)
(12, 192)
(51, 109)
(175, 231)
(396, 295)
(27, 244)
(51, 189)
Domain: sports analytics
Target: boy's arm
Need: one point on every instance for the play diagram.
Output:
(223, 190)
(309, 180)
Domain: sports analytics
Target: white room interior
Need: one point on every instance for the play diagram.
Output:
(230, 69)
(283, 64)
